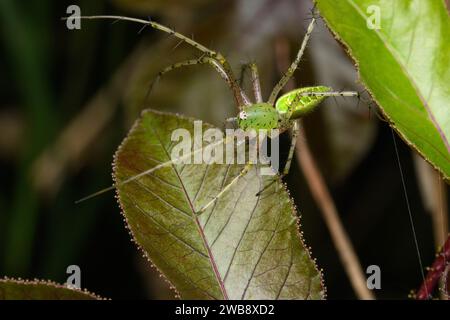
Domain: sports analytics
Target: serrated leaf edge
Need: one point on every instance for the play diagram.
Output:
(50, 283)
(144, 253)
(359, 80)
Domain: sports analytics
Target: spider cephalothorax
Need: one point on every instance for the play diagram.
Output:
(258, 116)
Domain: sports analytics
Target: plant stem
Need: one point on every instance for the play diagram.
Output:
(434, 197)
(324, 200)
(435, 272)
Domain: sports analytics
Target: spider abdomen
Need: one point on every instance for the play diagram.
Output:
(300, 102)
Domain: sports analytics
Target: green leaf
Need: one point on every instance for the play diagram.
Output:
(243, 247)
(404, 65)
(11, 289)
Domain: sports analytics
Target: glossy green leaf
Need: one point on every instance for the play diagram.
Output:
(404, 65)
(243, 247)
(11, 289)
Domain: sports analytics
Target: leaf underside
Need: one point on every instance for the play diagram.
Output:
(404, 65)
(11, 289)
(242, 247)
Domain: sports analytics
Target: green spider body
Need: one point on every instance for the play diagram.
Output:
(292, 105)
(296, 105)
(258, 116)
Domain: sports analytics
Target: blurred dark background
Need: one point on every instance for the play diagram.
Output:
(68, 98)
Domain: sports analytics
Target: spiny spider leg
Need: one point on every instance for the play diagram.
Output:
(168, 69)
(371, 104)
(256, 84)
(210, 53)
(331, 94)
(202, 60)
(156, 26)
(287, 166)
(242, 74)
(295, 132)
(227, 187)
(289, 73)
(187, 156)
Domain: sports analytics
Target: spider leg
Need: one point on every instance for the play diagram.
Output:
(168, 69)
(330, 94)
(289, 73)
(256, 84)
(218, 57)
(242, 74)
(243, 172)
(156, 26)
(202, 60)
(295, 133)
(287, 166)
(298, 98)
(166, 164)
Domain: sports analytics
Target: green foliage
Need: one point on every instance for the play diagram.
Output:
(404, 65)
(243, 247)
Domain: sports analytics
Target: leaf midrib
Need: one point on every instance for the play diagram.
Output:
(197, 222)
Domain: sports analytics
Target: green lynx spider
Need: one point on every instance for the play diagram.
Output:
(282, 113)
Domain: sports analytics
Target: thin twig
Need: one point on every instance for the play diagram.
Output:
(324, 200)
(434, 198)
(435, 272)
(330, 214)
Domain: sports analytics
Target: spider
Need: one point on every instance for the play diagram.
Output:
(277, 112)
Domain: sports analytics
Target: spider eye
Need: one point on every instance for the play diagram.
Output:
(243, 115)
